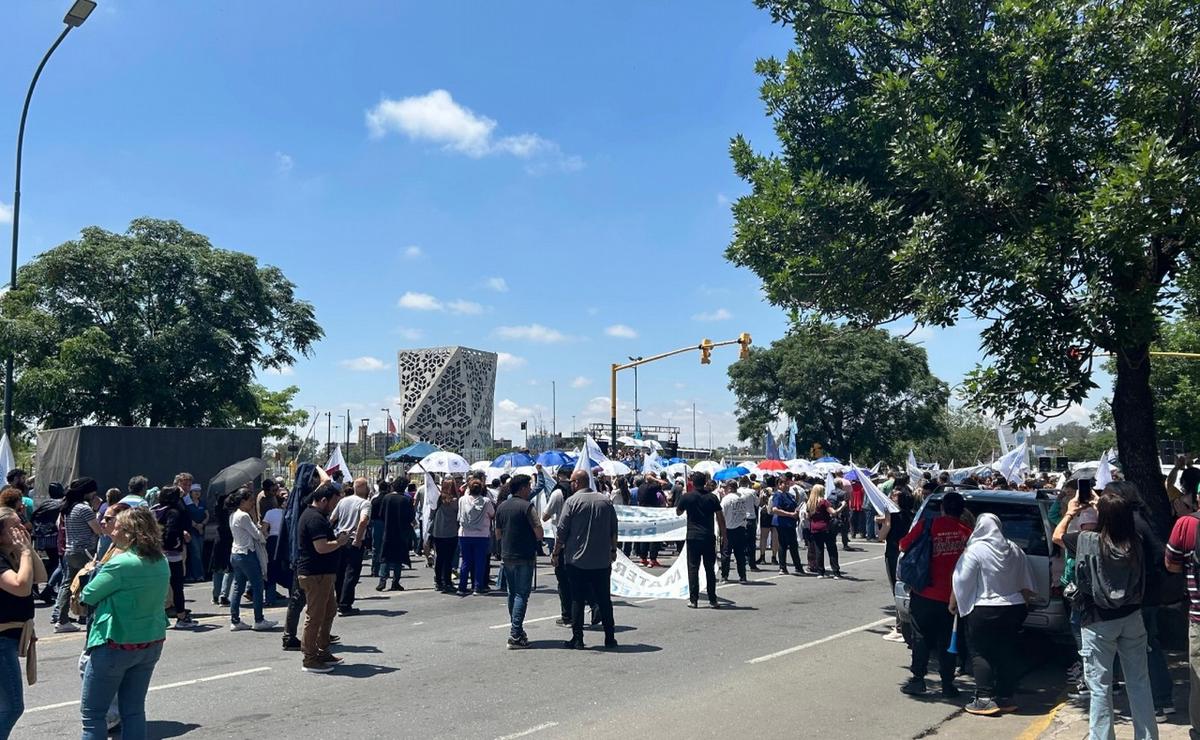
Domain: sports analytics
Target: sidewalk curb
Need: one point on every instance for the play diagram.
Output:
(1042, 723)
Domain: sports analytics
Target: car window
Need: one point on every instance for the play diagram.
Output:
(1021, 522)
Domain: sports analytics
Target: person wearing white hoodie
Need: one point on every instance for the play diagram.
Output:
(475, 514)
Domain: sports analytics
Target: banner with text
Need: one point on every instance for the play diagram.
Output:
(649, 524)
(630, 581)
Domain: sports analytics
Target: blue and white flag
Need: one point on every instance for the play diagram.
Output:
(772, 449)
(880, 502)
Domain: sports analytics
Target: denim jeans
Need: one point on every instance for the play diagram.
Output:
(376, 546)
(12, 698)
(222, 582)
(195, 557)
(1102, 642)
(124, 674)
(474, 563)
(72, 562)
(246, 569)
(519, 577)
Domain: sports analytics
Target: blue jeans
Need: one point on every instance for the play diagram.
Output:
(222, 580)
(519, 577)
(124, 674)
(12, 697)
(195, 557)
(474, 561)
(1102, 642)
(246, 569)
(376, 546)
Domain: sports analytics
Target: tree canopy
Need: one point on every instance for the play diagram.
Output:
(1029, 165)
(854, 392)
(151, 327)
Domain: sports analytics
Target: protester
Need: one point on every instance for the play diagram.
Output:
(316, 568)
(444, 533)
(267, 499)
(1110, 576)
(892, 528)
(175, 521)
(82, 533)
(586, 544)
(248, 555)
(766, 530)
(992, 582)
(193, 502)
(701, 507)
(352, 516)
(1181, 557)
(20, 569)
(475, 515)
(45, 537)
(734, 505)
(822, 523)
(929, 607)
(398, 518)
(650, 495)
(784, 521)
(219, 562)
(519, 530)
(128, 627)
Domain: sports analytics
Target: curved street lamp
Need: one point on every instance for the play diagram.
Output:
(75, 17)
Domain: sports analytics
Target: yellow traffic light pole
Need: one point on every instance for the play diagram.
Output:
(705, 347)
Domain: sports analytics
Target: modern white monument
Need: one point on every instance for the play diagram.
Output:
(447, 395)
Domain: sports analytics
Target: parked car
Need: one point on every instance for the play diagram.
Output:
(1025, 520)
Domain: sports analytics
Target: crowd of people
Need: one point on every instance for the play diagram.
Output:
(116, 564)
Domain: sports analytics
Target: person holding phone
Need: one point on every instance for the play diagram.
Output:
(317, 568)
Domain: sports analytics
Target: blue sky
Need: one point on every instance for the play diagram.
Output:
(542, 179)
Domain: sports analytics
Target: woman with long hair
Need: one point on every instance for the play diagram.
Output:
(82, 532)
(175, 522)
(992, 582)
(248, 540)
(222, 573)
(892, 529)
(445, 536)
(475, 515)
(20, 569)
(128, 627)
(821, 525)
(1110, 581)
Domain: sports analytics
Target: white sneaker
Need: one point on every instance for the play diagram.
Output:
(238, 626)
(66, 627)
(265, 626)
(894, 636)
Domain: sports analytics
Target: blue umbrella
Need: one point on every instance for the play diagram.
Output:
(512, 460)
(554, 457)
(735, 472)
(829, 459)
(413, 453)
(674, 461)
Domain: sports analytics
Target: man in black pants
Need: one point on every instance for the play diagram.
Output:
(734, 505)
(701, 505)
(351, 516)
(586, 544)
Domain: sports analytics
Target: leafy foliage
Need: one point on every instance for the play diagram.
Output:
(855, 392)
(154, 326)
(273, 412)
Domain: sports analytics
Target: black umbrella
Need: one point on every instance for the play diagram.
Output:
(238, 474)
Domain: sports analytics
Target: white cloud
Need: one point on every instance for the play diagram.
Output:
(509, 361)
(581, 382)
(412, 252)
(284, 163)
(364, 364)
(410, 334)
(508, 406)
(285, 371)
(531, 333)
(437, 118)
(722, 199)
(680, 386)
(420, 302)
(467, 308)
(621, 331)
(720, 314)
(5, 213)
(498, 284)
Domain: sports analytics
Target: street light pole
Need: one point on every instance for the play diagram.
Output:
(637, 426)
(75, 17)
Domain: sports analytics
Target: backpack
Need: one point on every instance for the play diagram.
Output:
(45, 525)
(1111, 583)
(914, 567)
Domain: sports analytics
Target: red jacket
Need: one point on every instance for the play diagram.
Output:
(949, 540)
(857, 494)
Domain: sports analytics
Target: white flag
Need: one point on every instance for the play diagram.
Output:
(879, 501)
(914, 471)
(7, 460)
(583, 463)
(1013, 465)
(431, 494)
(829, 484)
(336, 461)
(1104, 472)
(652, 463)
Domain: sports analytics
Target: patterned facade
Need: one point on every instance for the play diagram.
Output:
(448, 395)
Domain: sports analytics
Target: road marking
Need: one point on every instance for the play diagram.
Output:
(175, 685)
(530, 731)
(822, 641)
(418, 624)
(527, 621)
(1039, 725)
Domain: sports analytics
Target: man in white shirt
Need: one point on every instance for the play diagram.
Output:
(734, 505)
(352, 515)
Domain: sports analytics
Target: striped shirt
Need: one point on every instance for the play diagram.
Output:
(1179, 552)
(80, 537)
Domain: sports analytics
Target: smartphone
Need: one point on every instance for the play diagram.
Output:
(1085, 490)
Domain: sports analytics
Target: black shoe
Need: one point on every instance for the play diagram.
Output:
(915, 686)
(396, 586)
(382, 585)
(774, 560)
(562, 622)
(783, 571)
(610, 643)
(950, 691)
(291, 644)
(755, 569)
(692, 605)
(714, 604)
(349, 611)
(575, 643)
(518, 642)
(743, 581)
(224, 601)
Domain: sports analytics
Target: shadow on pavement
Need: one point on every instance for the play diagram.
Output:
(361, 670)
(356, 648)
(167, 728)
(380, 613)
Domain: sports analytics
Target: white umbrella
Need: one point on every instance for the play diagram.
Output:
(629, 442)
(799, 466)
(481, 465)
(653, 444)
(444, 462)
(677, 468)
(827, 468)
(523, 470)
(615, 468)
(707, 466)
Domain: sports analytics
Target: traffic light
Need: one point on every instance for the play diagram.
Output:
(706, 352)
(744, 340)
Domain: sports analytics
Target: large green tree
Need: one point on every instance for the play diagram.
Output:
(1031, 165)
(272, 412)
(151, 327)
(855, 392)
(958, 435)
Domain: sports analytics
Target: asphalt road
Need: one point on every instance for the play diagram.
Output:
(786, 656)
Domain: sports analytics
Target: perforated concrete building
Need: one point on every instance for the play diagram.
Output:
(447, 395)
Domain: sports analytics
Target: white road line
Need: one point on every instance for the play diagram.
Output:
(175, 685)
(417, 624)
(527, 621)
(530, 731)
(822, 641)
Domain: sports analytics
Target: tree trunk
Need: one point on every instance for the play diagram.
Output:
(1137, 439)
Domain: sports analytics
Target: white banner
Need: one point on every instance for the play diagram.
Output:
(630, 581)
(650, 524)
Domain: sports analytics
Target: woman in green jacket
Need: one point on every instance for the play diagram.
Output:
(128, 626)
